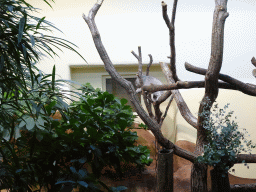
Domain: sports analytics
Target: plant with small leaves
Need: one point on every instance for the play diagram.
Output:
(225, 139)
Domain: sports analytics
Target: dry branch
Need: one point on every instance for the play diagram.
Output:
(243, 187)
(184, 85)
(145, 95)
(246, 88)
(171, 28)
(150, 63)
(184, 110)
(253, 61)
(151, 123)
(166, 110)
(199, 172)
(246, 158)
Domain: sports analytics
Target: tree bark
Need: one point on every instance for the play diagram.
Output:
(220, 180)
(199, 178)
(199, 171)
(165, 171)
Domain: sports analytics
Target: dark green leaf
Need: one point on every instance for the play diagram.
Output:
(39, 23)
(73, 170)
(53, 78)
(2, 63)
(84, 184)
(10, 8)
(32, 40)
(123, 101)
(21, 28)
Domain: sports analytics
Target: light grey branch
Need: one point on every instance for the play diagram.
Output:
(150, 63)
(184, 110)
(151, 123)
(246, 88)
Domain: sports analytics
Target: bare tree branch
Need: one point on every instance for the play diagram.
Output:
(199, 173)
(243, 187)
(184, 110)
(150, 63)
(145, 95)
(163, 97)
(253, 61)
(246, 158)
(184, 85)
(171, 28)
(158, 112)
(151, 123)
(166, 110)
(246, 88)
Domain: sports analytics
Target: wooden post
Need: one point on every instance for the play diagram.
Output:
(165, 171)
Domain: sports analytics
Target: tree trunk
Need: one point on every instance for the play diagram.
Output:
(165, 171)
(220, 180)
(199, 178)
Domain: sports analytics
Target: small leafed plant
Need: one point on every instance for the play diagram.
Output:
(225, 139)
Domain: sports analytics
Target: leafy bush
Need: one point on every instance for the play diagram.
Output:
(35, 149)
(225, 139)
(66, 155)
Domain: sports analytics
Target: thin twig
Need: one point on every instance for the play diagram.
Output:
(166, 110)
(170, 26)
(146, 101)
(150, 63)
(253, 61)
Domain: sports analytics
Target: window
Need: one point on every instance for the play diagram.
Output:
(114, 88)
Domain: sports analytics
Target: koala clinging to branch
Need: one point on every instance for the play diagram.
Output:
(148, 80)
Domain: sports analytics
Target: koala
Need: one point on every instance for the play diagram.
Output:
(148, 80)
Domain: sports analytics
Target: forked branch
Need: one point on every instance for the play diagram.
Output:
(151, 123)
(145, 95)
(171, 28)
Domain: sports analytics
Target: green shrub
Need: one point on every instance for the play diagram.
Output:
(94, 133)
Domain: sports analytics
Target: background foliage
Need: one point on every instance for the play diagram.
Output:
(36, 150)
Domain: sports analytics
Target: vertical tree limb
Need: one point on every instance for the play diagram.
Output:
(144, 94)
(183, 108)
(199, 172)
(149, 65)
(171, 28)
(151, 123)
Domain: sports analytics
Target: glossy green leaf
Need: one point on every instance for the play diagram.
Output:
(21, 28)
(30, 123)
